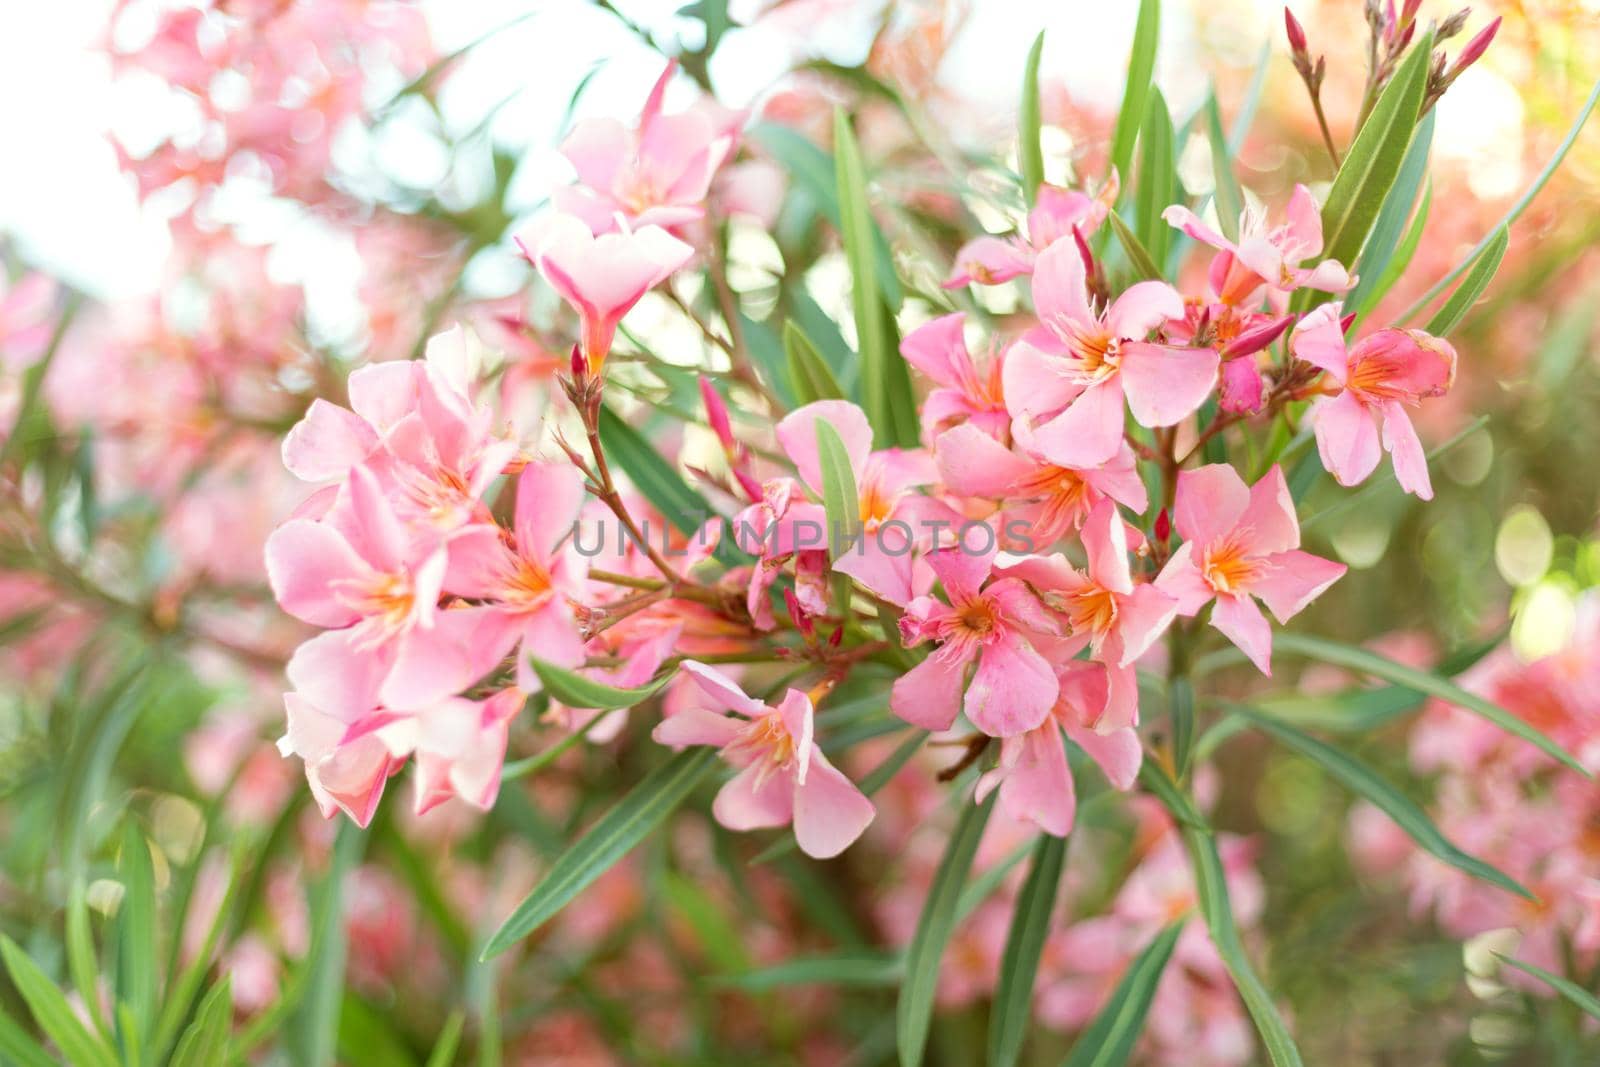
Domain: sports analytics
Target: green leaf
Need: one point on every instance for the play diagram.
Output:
(576, 691)
(1229, 198)
(1360, 779)
(1109, 1039)
(1141, 68)
(1180, 701)
(1012, 1013)
(1359, 659)
(17, 1047)
(1391, 222)
(1516, 210)
(809, 375)
(1154, 777)
(885, 378)
(1218, 911)
(839, 495)
(914, 1011)
(80, 953)
(1138, 256)
(1484, 265)
(1579, 996)
(612, 836)
(444, 1049)
(136, 931)
(314, 1025)
(1030, 151)
(205, 1042)
(1373, 161)
(856, 969)
(652, 475)
(1158, 177)
(52, 1012)
(1401, 259)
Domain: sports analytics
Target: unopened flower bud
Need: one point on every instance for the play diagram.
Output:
(836, 638)
(802, 620)
(1453, 25)
(1475, 48)
(717, 415)
(580, 365)
(1163, 525)
(1296, 32)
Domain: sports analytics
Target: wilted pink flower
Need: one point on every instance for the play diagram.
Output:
(1056, 214)
(968, 390)
(1266, 256)
(1103, 608)
(602, 276)
(656, 174)
(1372, 384)
(1065, 385)
(1033, 776)
(1240, 543)
(1045, 500)
(783, 776)
(990, 622)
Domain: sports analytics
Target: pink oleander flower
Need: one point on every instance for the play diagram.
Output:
(1033, 775)
(376, 586)
(459, 747)
(783, 776)
(1044, 501)
(968, 390)
(894, 517)
(1065, 385)
(527, 578)
(779, 527)
(657, 174)
(1238, 544)
(993, 623)
(346, 763)
(1104, 608)
(1266, 257)
(602, 276)
(1372, 384)
(418, 430)
(990, 260)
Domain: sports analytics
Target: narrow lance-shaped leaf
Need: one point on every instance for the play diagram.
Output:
(1109, 1039)
(914, 1011)
(839, 494)
(810, 377)
(1141, 68)
(52, 1012)
(612, 836)
(1138, 256)
(576, 691)
(1360, 659)
(1400, 260)
(1228, 197)
(444, 1049)
(1516, 209)
(1157, 176)
(1218, 910)
(845, 969)
(1472, 286)
(205, 1042)
(885, 380)
(1019, 966)
(1585, 1000)
(1373, 161)
(136, 931)
(1391, 222)
(17, 1047)
(1360, 779)
(1030, 150)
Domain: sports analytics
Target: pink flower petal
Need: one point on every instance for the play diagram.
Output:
(1035, 781)
(1142, 616)
(1347, 438)
(1319, 340)
(1164, 383)
(1118, 753)
(938, 349)
(306, 561)
(1059, 286)
(327, 442)
(1105, 541)
(1142, 307)
(1295, 580)
(1182, 580)
(1013, 689)
(1410, 462)
(929, 694)
(829, 811)
(988, 261)
(549, 497)
(722, 691)
(971, 463)
(1183, 219)
(1210, 502)
(797, 434)
(1088, 433)
(695, 726)
(1242, 623)
(1270, 517)
(753, 800)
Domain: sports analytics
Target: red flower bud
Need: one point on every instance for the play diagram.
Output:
(1296, 32)
(717, 414)
(1475, 48)
(802, 621)
(836, 638)
(1254, 340)
(1163, 525)
(580, 365)
(748, 483)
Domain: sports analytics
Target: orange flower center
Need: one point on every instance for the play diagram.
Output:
(1228, 569)
(1091, 610)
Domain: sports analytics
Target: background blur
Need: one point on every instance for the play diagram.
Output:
(405, 227)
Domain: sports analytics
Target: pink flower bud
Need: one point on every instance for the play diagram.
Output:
(836, 638)
(1296, 32)
(748, 483)
(1163, 525)
(580, 365)
(717, 414)
(1254, 340)
(1475, 48)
